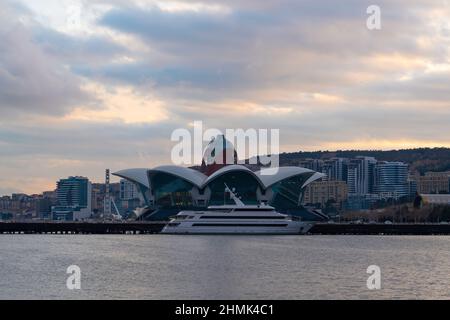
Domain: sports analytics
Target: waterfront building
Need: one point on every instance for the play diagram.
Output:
(166, 190)
(433, 182)
(323, 192)
(360, 175)
(391, 179)
(43, 208)
(73, 199)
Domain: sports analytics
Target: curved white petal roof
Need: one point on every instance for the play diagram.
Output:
(314, 177)
(280, 173)
(193, 176)
(138, 175)
(229, 168)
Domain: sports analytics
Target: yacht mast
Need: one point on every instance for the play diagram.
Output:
(237, 201)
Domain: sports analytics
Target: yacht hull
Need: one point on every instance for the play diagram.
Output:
(285, 228)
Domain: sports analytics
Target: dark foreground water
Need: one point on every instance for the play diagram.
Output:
(224, 267)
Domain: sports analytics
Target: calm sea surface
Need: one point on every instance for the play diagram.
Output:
(224, 267)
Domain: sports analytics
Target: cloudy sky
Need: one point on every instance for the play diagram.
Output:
(89, 85)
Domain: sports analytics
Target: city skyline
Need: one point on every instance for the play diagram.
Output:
(342, 185)
(86, 86)
(301, 161)
(330, 165)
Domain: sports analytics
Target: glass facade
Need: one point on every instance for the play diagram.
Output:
(73, 191)
(287, 193)
(171, 191)
(244, 183)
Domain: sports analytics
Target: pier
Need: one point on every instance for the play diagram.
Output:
(152, 227)
(81, 227)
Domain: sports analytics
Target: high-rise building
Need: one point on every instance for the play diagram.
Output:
(73, 191)
(360, 175)
(334, 169)
(74, 199)
(391, 179)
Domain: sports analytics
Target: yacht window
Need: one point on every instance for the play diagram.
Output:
(244, 217)
(238, 225)
(220, 210)
(253, 209)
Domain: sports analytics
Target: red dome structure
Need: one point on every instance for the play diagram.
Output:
(218, 153)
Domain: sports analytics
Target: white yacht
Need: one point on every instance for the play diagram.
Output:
(236, 219)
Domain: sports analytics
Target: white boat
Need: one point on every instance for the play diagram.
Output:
(236, 219)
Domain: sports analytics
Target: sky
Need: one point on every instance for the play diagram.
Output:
(89, 85)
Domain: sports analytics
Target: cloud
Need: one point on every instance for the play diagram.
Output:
(77, 49)
(121, 104)
(30, 81)
(248, 50)
(108, 90)
(33, 155)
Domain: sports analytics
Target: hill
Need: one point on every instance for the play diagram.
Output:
(420, 160)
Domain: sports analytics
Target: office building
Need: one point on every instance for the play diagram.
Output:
(360, 175)
(73, 199)
(323, 192)
(433, 183)
(391, 179)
